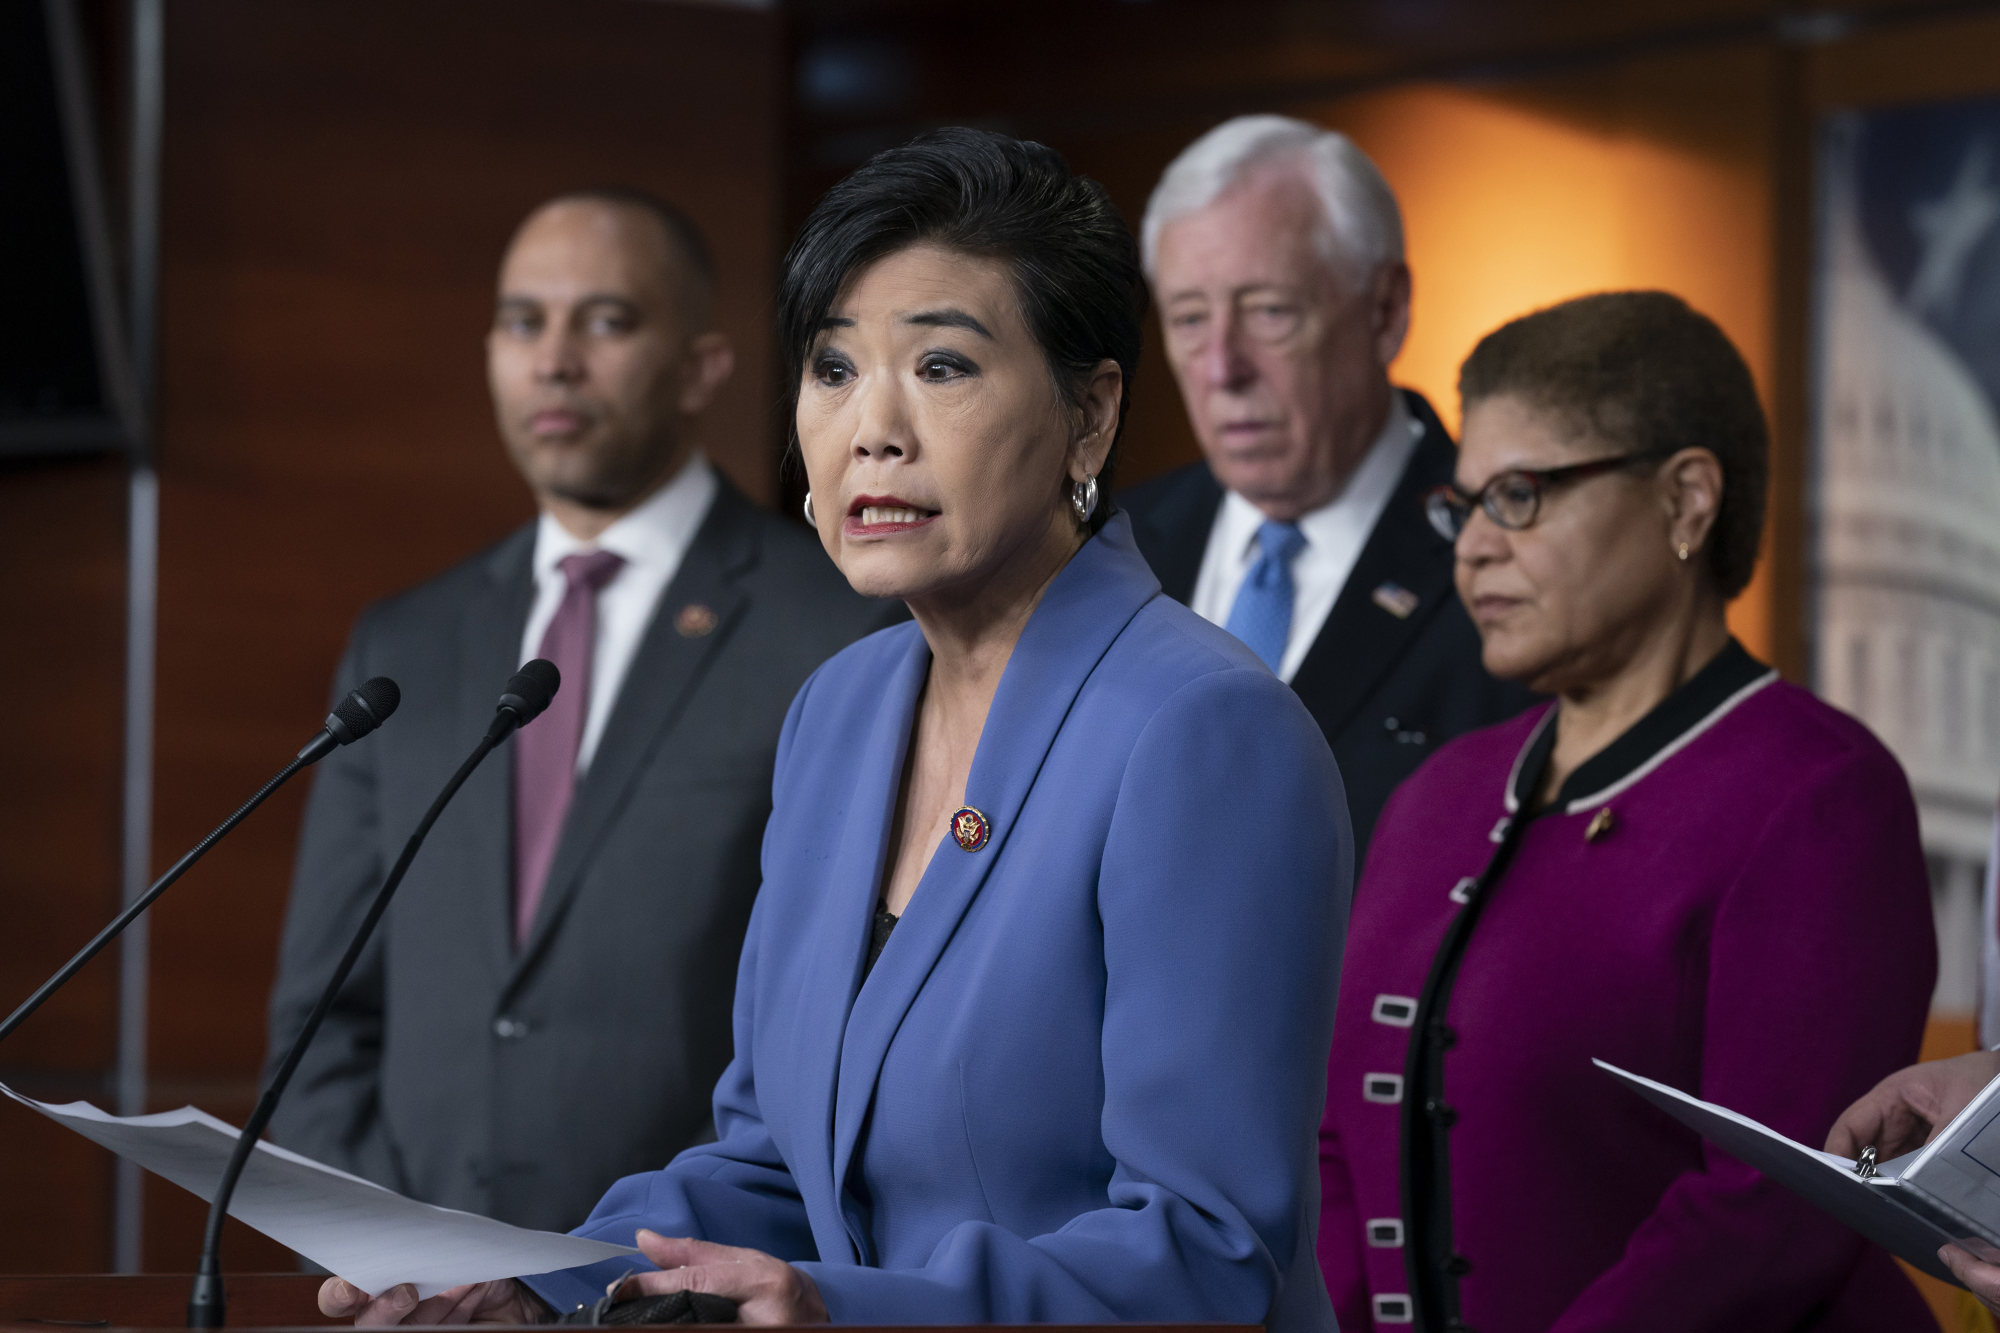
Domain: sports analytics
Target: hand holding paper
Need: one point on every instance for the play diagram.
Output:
(1906, 1110)
(502, 1302)
(1903, 1113)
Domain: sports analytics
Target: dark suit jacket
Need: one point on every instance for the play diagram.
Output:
(521, 1084)
(1385, 690)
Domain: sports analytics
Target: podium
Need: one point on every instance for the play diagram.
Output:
(38, 1303)
(155, 1300)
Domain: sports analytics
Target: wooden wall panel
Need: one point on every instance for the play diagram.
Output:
(62, 663)
(1918, 62)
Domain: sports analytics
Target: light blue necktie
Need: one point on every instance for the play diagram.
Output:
(1262, 616)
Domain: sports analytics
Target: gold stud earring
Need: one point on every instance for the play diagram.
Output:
(1682, 551)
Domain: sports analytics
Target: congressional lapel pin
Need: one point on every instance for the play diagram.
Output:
(694, 620)
(1397, 600)
(970, 829)
(1600, 824)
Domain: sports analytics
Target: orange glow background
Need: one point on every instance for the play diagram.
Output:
(1508, 207)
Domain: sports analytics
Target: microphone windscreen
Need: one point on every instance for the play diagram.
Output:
(530, 689)
(364, 709)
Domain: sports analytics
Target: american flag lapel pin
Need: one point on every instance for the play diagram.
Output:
(694, 620)
(1397, 600)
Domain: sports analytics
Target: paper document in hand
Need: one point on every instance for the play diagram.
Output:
(1947, 1193)
(373, 1237)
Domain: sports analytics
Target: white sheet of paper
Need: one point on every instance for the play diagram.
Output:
(373, 1237)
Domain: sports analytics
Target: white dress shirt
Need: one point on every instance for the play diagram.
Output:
(1334, 533)
(653, 539)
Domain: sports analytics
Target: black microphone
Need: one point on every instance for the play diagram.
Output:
(528, 692)
(359, 713)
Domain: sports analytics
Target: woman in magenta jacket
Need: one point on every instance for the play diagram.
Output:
(1682, 865)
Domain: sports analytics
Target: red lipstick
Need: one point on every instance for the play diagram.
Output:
(884, 516)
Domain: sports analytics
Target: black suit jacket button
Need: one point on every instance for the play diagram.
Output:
(508, 1028)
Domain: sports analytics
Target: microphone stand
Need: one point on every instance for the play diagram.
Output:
(206, 1303)
(356, 716)
(160, 886)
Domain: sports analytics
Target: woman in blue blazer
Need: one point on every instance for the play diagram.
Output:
(1034, 1013)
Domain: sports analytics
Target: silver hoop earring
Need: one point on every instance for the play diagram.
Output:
(1083, 498)
(809, 510)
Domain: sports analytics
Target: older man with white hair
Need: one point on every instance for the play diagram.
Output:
(1275, 250)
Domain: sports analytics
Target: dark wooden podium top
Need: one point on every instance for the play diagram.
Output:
(32, 1304)
(156, 1300)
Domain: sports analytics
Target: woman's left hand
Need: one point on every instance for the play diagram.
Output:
(767, 1290)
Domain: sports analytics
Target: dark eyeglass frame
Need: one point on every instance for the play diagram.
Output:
(1449, 509)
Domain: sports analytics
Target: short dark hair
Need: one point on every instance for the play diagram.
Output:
(1646, 371)
(684, 237)
(1074, 263)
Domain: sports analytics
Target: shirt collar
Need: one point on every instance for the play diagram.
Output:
(654, 533)
(1360, 501)
(1732, 676)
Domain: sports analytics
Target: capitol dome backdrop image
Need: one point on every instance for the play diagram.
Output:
(1906, 487)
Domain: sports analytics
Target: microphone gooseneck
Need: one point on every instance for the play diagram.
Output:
(374, 702)
(528, 692)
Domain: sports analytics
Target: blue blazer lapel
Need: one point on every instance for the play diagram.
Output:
(1084, 610)
(845, 915)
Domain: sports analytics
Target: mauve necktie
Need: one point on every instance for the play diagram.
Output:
(1262, 615)
(545, 753)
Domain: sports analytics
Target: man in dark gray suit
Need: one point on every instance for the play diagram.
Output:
(546, 1006)
(1275, 251)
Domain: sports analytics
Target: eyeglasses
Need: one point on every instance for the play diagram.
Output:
(1513, 498)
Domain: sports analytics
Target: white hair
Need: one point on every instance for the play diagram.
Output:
(1363, 227)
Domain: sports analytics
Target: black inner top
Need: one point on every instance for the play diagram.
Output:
(878, 936)
(1433, 1264)
(857, 1183)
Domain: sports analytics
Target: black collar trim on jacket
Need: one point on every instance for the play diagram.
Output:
(1673, 724)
